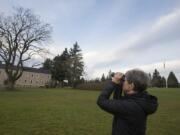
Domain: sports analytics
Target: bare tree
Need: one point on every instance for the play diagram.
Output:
(21, 37)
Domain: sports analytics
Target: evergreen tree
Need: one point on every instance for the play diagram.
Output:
(103, 78)
(77, 64)
(172, 80)
(66, 61)
(150, 80)
(67, 66)
(47, 65)
(61, 67)
(156, 80)
(163, 82)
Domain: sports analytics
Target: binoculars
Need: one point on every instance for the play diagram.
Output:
(122, 79)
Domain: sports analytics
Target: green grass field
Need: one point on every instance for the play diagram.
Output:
(74, 112)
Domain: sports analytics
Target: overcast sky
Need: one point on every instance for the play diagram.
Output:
(113, 34)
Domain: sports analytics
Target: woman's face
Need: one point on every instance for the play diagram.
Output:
(127, 87)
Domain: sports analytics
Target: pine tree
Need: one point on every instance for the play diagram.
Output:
(156, 80)
(150, 80)
(103, 78)
(77, 64)
(61, 67)
(47, 65)
(172, 80)
(163, 82)
(66, 60)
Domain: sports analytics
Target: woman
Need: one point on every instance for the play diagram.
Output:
(131, 110)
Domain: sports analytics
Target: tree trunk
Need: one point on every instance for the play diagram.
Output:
(10, 85)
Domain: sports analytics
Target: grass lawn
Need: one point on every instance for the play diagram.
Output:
(74, 112)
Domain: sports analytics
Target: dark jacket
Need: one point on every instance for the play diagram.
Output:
(116, 88)
(130, 111)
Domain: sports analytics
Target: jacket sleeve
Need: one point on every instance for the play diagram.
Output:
(117, 92)
(112, 106)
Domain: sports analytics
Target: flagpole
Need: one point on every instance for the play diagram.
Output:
(165, 77)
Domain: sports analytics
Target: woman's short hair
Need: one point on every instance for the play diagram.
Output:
(139, 78)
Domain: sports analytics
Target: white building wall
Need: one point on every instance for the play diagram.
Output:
(28, 79)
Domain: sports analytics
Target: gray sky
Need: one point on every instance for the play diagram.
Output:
(113, 34)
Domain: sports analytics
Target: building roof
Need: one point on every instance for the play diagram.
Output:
(29, 69)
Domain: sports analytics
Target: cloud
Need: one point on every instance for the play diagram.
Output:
(56, 9)
(159, 33)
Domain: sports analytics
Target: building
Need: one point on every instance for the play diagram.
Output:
(31, 77)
